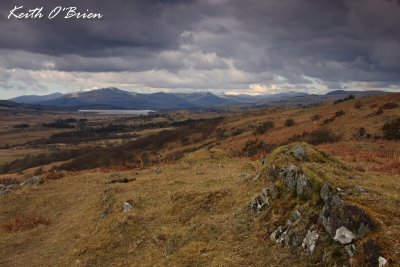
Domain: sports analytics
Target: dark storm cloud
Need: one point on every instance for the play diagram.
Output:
(333, 41)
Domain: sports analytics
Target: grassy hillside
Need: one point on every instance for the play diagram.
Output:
(191, 197)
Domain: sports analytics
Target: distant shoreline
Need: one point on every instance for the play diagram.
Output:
(117, 111)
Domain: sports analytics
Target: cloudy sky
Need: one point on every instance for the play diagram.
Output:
(223, 46)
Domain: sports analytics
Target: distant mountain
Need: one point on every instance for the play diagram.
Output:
(113, 98)
(33, 99)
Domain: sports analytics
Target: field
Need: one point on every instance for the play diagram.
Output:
(190, 178)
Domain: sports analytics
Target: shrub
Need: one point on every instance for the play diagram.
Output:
(22, 223)
(391, 130)
(316, 117)
(390, 105)
(255, 147)
(263, 127)
(321, 136)
(289, 122)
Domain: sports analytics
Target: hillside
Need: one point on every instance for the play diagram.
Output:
(264, 187)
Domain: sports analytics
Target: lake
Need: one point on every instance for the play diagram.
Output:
(116, 111)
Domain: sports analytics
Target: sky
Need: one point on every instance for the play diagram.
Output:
(221, 46)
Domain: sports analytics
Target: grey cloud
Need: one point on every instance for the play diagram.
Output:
(251, 41)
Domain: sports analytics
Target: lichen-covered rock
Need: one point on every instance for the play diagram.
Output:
(300, 153)
(336, 213)
(310, 241)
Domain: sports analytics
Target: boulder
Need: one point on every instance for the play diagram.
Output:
(336, 214)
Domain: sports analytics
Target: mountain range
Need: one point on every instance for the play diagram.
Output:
(114, 98)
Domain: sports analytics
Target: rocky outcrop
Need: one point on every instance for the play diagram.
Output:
(322, 216)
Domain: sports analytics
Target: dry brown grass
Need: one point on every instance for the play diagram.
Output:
(382, 156)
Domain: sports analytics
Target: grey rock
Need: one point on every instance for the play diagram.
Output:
(344, 235)
(310, 241)
(276, 234)
(36, 180)
(260, 201)
(326, 192)
(382, 261)
(290, 177)
(300, 153)
(336, 213)
(294, 218)
(303, 187)
(350, 249)
(127, 206)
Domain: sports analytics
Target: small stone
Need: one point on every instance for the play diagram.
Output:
(344, 235)
(382, 261)
(127, 206)
(300, 153)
